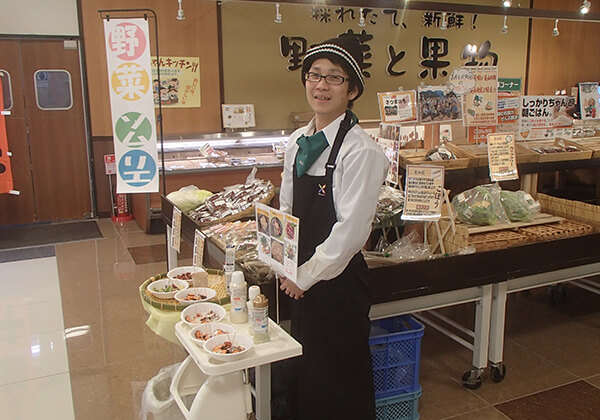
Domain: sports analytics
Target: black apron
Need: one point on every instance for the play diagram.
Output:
(333, 378)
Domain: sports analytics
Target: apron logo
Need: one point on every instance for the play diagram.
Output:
(321, 191)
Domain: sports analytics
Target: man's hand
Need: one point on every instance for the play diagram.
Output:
(290, 288)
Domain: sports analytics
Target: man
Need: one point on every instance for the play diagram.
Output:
(333, 173)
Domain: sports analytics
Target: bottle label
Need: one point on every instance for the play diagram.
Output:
(260, 320)
(238, 298)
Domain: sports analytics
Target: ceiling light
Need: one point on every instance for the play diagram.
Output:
(180, 15)
(472, 48)
(444, 24)
(504, 29)
(585, 7)
(277, 14)
(361, 18)
(555, 30)
(507, 3)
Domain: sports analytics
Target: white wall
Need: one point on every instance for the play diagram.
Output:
(38, 17)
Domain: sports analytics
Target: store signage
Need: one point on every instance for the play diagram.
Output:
(110, 164)
(6, 179)
(479, 134)
(396, 107)
(132, 106)
(277, 244)
(461, 81)
(502, 157)
(238, 116)
(509, 85)
(179, 82)
(199, 241)
(424, 191)
(480, 104)
(175, 239)
(588, 101)
(545, 117)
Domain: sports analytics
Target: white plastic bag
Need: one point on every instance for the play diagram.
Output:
(188, 198)
(157, 399)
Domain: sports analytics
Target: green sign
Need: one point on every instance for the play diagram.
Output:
(509, 85)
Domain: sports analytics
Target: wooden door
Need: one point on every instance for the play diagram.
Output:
(49, 85)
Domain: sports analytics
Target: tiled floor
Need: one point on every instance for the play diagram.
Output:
(100, 369)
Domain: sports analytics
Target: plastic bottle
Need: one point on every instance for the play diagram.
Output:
(229, 265)
(239, 311)
(253, 291)
(260, 319)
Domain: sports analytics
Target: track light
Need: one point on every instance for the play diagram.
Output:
(504, 29)
(472, 48)
(507, 3)
(444, 24)
(555, 30)
(277, 14)
(584, 9)
(180, 14)
(361, 18)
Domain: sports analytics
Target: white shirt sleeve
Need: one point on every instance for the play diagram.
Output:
(358, 176)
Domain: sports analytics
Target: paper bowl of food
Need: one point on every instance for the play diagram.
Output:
(195, 294)
(227, 347)
(200, 333)
(166, 288)
(202, 313)
(188, 273)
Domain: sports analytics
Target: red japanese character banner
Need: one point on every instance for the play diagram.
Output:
(132, 105)
(6, 179)
(179, 82)
(481, 102)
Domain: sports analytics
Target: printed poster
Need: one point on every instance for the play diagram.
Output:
(395, 107)
(508, 114)
(390, 149)
(389, 131)
(588, 101)
(423, 193)
(6, 179)
(480, 134)
(412, 136)
(238, 116)
(131, 103)
(438, 104)
(277, 244)
(179, 82)
(545, 117)
(502, 157)
(480, 103)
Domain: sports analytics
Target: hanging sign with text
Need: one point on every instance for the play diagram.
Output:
(424, 191)
(502, 157)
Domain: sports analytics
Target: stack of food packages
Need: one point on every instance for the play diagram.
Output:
(389, 207)
(234, 201)
(242, 235)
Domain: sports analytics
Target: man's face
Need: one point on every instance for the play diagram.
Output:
(328, 100)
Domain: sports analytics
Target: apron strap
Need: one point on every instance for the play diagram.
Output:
(345, 126)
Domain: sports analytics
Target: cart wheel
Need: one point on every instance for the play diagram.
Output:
(558, 294)
(498, 372)
(471, 379)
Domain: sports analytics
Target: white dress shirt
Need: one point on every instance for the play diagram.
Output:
(361, 168)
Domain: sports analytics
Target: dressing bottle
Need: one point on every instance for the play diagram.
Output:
(238, 313)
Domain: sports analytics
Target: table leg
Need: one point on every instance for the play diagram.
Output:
(171, 252)
(482, 328)
(497, 322)
(263, 392)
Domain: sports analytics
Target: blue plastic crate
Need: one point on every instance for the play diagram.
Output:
(400, 407)
(396, 352)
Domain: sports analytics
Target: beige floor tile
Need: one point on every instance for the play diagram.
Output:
(488, 413)
(594, 380)
(131, 239)
(107, 228)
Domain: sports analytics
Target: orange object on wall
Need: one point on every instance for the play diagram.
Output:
(6, 179)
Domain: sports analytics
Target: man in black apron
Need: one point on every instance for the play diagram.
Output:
(332, 176)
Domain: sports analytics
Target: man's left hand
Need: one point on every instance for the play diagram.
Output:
(291, 289)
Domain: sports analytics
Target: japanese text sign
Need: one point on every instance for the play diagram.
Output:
(238, 116)
(110, 164)
(199, 241)
(509, 85)
(481, 102)
(545, 117)
(175, 239)
(6, 179)
(588, 101)
(395, 107)
(502, 157)
(479, 134)
(424, 191)
(179, 82)
(277, 243)
(132, 107)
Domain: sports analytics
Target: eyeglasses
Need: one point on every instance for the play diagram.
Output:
(330, 79)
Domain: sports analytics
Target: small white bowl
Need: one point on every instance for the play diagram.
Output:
(236, 339)
(211, 330)
(201, 309)
(190, 269)
(159, 284)
(198, 291)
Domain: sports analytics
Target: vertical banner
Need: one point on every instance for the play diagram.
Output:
(131, 103)
(6, 180)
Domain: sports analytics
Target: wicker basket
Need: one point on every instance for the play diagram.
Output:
(572, 210)
(566, 229)
(496, 240)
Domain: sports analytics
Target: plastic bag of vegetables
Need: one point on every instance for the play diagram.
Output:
(519, 206)
(480, 206)
(188, 198)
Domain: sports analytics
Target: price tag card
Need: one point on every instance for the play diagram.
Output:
(199, 239)
(424, 191)
(176, 229)
(502, 157)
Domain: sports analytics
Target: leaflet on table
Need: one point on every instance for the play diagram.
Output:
(480, 103)
(423, 192)
(395, 107)
(502, 157)
(390, 149)
(588, 101)
(277, 244)
(545, 117)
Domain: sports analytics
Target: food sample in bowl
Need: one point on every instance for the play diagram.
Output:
(205, 336)
(202, 318)
(166, 288)
(194, 297)
(184, 276)
(227, 348)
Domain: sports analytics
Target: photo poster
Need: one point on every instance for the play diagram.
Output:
(545, 117)
(508, 114)
(424, 191)
(502, 157)
(396, 107)
(391, 150)
(179, 82)
(438, 104)
(238, 116)
(481, 102)
(277, 244)
(588, 101)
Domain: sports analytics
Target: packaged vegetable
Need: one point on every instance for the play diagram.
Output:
(188, 198)
(519, 206)
(480, 206)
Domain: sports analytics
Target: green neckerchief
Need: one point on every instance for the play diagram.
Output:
(311, 147)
